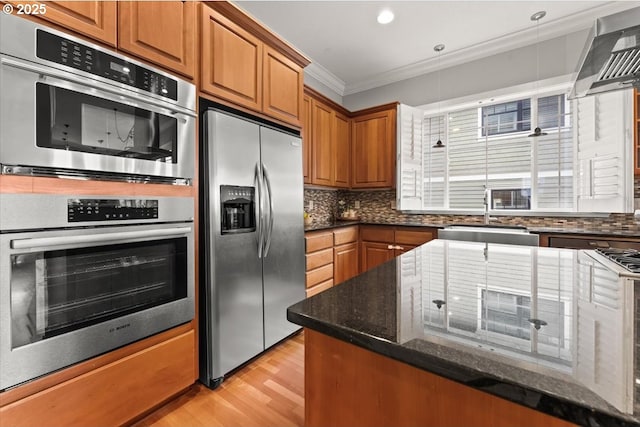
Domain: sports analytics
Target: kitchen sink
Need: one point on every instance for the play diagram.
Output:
(507, 235)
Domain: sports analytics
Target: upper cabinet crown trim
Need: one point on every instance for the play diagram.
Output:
(238, 16)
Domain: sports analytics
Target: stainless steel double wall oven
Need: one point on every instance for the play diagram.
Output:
(83, 275)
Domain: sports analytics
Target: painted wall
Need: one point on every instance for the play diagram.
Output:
(558, 57)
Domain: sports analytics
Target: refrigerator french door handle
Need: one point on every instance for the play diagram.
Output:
(269, 194)
(259, 225)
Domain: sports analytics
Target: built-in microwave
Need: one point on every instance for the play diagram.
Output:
(72, 107)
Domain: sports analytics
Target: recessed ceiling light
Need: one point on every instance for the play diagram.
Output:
(385, 16)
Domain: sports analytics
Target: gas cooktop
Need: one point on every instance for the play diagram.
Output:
(627, 258)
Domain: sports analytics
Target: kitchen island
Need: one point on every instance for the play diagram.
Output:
(461, 333)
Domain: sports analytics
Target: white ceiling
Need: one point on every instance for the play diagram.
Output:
(351, 52)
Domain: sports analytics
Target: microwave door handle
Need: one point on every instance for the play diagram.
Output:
(122, 237)
(114, 93)
(270, 195)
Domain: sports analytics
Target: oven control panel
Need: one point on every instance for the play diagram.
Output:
(85, 58)
(83, 210)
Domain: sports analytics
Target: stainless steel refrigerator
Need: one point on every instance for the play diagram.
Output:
(251, 239)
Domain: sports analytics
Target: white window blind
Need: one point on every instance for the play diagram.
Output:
(483, 149)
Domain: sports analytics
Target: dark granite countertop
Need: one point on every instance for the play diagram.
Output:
(591, 231)
(466, 311)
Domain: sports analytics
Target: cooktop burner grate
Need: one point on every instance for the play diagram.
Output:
(627, 258)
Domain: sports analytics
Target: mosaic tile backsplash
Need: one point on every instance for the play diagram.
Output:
(376, 206)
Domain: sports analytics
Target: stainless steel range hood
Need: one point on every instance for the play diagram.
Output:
(611, 59)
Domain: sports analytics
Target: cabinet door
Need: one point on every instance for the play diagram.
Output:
(401, 249)
(322, 148)
(307, 142)
(345, 262)
(163, 32)
(282, 84)
(373, 150)
(231, 61)
(374, 254)
(96, 19)
(342, 153)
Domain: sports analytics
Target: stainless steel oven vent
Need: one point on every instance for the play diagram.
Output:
(611, 59)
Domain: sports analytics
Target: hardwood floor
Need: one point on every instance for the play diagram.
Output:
(267, 392)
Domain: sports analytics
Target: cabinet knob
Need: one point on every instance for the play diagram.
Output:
(390, 247)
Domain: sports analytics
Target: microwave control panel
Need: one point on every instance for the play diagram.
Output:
(90, 60)
(85, 210)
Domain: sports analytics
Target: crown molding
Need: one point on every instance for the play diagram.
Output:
(551, 29)
(325, 77)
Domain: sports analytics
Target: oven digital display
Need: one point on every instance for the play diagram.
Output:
(83, 210)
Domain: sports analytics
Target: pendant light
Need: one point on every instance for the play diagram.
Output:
(439, 48)
(537, 17)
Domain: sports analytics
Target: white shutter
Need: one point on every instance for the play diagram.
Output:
(603, 142)
(410, 133)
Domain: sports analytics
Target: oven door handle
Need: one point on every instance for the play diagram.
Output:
(86, 82)
(123, 237)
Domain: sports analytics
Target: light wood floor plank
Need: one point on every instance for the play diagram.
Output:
(267, 392)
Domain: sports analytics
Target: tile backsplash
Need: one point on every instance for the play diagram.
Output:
(379, 206)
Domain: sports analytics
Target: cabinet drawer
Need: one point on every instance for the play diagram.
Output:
(319, 288)
(413, 237)
(319, 275)
(317, 241)
(113, 394)
(345, 235)
(320, 258)
(377, 234)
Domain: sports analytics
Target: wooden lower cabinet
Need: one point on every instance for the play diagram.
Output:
(585, 241)
(319, 261)
(380, 244)
(376, 253)
(332, 257)
(346, 385)
(114, 394)
(345, 262)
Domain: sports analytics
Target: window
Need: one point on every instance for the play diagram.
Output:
(578, 165)
(507, 117)
(505, 157)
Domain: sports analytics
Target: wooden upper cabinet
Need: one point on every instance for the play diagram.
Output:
(342, 151)
(373, 149)
(322, 147)
(163, 32)
(245, 64)
(95, 19)
(282, 87)
(306, 139)
(231, 61)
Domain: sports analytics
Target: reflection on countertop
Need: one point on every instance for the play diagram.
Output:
(552, 329)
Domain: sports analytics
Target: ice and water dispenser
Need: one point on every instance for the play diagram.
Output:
(238, 213)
